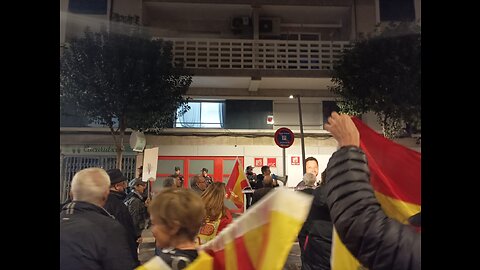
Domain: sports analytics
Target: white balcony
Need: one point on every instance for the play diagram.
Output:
(257, 54)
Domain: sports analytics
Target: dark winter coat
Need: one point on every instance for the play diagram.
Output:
(377, 241)
(319, 228)
(138, 212)
(91, 239)
(117, 208)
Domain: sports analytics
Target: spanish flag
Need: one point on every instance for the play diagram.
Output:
(262, 237)
(236, 183)
(395, 174)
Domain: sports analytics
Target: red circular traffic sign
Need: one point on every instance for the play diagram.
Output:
(284, 137)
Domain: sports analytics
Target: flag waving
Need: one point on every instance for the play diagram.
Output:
(260, 239)
(263, 236)
(395, 174)
(236, 183)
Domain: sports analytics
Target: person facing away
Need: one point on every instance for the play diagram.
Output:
(91, 238)
(67, 201)
(217, 215)
(132, 182)
(176, 181)
(317, 247)
(170, 182)
(199, 184)
(377, 241)
(137, 209)
(309, 180)
(116, 207)
(311, 166)
(177, 215)
(267, 187)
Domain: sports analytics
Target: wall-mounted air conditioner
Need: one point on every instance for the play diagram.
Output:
(269, 25)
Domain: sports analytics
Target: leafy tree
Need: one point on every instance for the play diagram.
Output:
(382, 74)
(122, 81)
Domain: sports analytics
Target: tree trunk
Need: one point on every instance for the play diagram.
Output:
(119, 156)
(122, 126)
(118, 146)
(384, 125)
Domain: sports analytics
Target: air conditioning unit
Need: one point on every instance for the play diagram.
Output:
(241, 24)
(269, 25)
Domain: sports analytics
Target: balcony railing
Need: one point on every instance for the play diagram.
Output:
(257, 54)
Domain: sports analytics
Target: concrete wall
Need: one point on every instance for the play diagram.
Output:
(286, 115)
(366, 16)
(128, 7)
(63, 19)
(418, 10)
(249, 148)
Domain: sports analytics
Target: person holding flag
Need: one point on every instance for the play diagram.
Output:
(218, 216)
(361, 224)
(236, 183)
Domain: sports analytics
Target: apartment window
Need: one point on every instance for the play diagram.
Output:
(96, 7)
(397, 10)
(202, 114)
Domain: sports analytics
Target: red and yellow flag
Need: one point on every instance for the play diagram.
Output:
(236, 183)
(395, 174)
(260, 239)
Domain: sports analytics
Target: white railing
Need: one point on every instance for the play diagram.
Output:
(257, 54)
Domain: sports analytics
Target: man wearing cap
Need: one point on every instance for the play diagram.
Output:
(115, 206)
(208, 179)
(90, 238)
(137, 208)
(132, 183)
(180, 177)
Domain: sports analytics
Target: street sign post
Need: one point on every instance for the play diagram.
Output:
(284, 138)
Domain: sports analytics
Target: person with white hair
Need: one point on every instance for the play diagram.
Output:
(91, 238)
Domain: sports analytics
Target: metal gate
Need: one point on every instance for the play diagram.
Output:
(71, 164)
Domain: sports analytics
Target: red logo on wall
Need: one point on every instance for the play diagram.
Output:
(295, 160)
(258, 162)
(272, 162)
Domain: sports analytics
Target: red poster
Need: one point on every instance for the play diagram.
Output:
(295, 160)
(272, 162)
(258, 162)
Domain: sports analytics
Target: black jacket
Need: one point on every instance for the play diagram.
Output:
(259, 183)
(260, 193)
(316, 254)
(119, 210)
(138, 212)
(376, 240)
(90, 239)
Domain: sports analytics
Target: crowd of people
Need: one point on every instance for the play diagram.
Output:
(101, 225)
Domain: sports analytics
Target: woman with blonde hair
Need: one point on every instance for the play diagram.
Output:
(217, 215)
